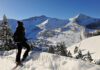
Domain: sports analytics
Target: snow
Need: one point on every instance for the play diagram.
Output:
(68, 37)
(91, 44)
(42, 25)
(44, 61)
(53, 23)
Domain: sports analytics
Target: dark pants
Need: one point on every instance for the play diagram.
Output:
(20, 45)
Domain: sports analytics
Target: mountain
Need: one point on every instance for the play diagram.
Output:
(34, 25)
(84, 19)
(52, 23)
(94, 25)
(44, 61)
(58, 30)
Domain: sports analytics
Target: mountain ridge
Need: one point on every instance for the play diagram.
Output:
(42, 27)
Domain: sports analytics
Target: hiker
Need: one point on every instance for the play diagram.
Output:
(20, 39)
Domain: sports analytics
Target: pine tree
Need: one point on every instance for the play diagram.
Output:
(69, 54)
(51, 49)
(76, 49)
(89, 56)
(79, 55)
(61, 49)
(5, 35)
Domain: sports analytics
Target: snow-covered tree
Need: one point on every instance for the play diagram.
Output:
(61, 49)
(5, 35)
(51, 49)
(69, 54)
(76, 49)
(79, 56)
(89, 57)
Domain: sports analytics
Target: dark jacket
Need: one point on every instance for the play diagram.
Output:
(19, 35)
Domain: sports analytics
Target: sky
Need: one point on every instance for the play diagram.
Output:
(63, 9)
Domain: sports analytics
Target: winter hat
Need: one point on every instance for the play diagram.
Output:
(20, 23)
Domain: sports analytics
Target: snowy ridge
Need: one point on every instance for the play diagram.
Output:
(42, 25)
(91, 44)
(46, 27)
(36, 24)
(45, 61)
(53, 23)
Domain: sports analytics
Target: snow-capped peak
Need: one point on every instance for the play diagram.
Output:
(82, 16)
(83, 19)
(79, 16)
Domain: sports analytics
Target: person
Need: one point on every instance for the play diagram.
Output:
(20, 39)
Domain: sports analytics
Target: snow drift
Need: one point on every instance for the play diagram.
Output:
(91, 44)
(44, 61)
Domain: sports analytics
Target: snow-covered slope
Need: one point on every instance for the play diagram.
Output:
(68, 37)
(91, 44)
(44, 61)
(53, 23)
